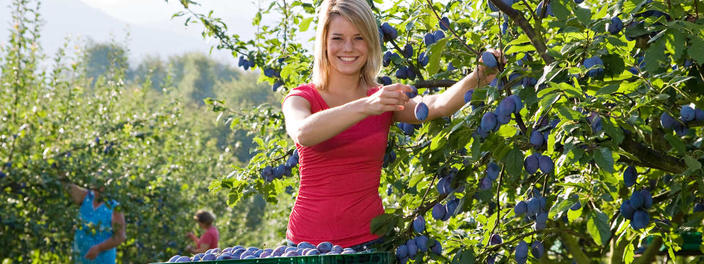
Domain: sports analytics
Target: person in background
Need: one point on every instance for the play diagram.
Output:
(210, 238)
(101, 225)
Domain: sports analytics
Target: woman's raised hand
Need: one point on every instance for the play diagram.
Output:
(389, 98)
(486, 74)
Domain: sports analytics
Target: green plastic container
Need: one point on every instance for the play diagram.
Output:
(358, 258)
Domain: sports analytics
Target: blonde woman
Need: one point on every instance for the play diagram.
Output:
(340, 123)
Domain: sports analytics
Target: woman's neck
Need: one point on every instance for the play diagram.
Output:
(345, 85)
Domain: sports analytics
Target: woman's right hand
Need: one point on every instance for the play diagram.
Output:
(191, 236)
(389, 98)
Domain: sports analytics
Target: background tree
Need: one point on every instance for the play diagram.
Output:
(84, 116)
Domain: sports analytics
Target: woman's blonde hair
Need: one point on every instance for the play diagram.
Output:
(360, 15)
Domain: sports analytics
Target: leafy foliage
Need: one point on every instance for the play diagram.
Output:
(83, 116)
(595, 91)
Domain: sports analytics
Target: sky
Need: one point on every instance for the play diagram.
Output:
(152, 31)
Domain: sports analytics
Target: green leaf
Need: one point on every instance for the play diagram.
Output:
(435, 54)
(548, 100)
(584, 16)
(604, 159)
(628, 253)
(692, 163)
(598, 227)
(676, 143)
(696, 49)
(514, 162)
(560, 10)
(305, 23)
(383, 223)
(655, 56)
(614, 132)
(464, 256)
(561, 206)
(438, 142)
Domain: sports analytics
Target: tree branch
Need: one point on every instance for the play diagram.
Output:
(651, 158)
(649, 254)
(434, 83)
(574, 248)
(535, 39)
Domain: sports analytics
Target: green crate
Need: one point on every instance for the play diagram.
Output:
(358, 258)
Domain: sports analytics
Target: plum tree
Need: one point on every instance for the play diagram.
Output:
(582, 96)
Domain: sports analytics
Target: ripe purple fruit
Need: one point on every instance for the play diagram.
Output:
(436, 248)
(546, 165)
(412, 248)
(507, 106)
(421, 111)
(537, 249)
(531, 163)
(521, 253)
(520, 208)
(444, 23)
(615, 26)
(401, 251)
(495, 239)
(423, 59)
(698, 207)
(627, 209)
(667, 122)
(413, 92)
(533, 206)
(699, 114)
(489, 59)
(468, 96)
(687, 113)
(438, 35)
(429, 39)
(386, 80)
(647, 198)
(408, 51)
(324, 247)
(629, 176)
(536, 138)
(489, 122)
(595, 61)
(439, 211)
(389, 32)
(637, 201)
(640, 219)
(387, 58)
(518, 105)
(485, 183)
(452, 207)
(419, 224)
(492, 171)
(422, 243)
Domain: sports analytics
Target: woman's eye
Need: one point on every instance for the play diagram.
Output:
(358, 38)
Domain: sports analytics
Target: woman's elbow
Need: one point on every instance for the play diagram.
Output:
(121, 238)
(302, 138)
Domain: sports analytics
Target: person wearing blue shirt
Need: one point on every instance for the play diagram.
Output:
(101, 226)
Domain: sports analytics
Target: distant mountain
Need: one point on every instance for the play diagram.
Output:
(74, 19)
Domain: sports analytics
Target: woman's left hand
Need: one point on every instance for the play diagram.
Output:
(486, 74)
(92, 252)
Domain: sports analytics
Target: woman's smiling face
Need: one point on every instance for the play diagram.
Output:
(346, 48)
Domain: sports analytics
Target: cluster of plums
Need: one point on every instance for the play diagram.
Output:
(270, 173)
(240, 252)
(534, 210)
(688, 114)
(635, 208)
